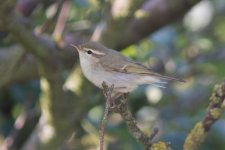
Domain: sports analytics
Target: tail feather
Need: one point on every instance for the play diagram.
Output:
(158, 80)
(158, 85)
(157, 75)
(153, 81)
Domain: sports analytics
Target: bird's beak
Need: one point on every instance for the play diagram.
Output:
(77, 47)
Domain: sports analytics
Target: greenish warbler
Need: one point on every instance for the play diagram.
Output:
(101, 64)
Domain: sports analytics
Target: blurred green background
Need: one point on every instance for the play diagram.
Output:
(47, 104)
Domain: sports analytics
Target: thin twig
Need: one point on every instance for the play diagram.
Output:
(107, 92)
(153, 134)
(64, 13)
(51, 20)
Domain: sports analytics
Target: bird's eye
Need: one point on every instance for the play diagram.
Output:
(89, 52)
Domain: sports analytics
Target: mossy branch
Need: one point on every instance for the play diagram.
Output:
(120, 105)
(214, 112)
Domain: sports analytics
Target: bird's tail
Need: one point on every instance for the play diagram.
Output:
(168, 78)
(158, 80)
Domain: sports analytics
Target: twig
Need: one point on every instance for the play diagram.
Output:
(22, 35)
(23, 128)
(154, 133)
(52, 19)
(64, 13)
(214, 112)
(107, 92)
(120, 105)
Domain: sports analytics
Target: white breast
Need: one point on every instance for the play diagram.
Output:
(91, 73)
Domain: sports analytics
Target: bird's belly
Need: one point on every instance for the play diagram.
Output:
(122, 82)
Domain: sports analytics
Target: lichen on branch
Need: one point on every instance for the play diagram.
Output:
(215, 109)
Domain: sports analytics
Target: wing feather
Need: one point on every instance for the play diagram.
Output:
(123, 64)
(137, 68)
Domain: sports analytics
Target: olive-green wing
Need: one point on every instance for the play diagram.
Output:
(133, 67)
(114, 61)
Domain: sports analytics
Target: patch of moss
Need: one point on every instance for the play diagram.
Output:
(195, 137)
(160, 146)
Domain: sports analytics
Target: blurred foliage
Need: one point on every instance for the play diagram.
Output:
(15, 100)
(195, 54)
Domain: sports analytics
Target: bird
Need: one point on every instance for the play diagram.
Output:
(101, 64)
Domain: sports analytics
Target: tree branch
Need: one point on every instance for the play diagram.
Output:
(214, 112)
(153, 15)
(25, 37)
(120, 105)
(16, 65)
(23, 127)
